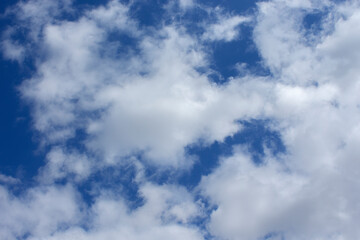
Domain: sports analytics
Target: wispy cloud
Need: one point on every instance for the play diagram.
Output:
(8, 179)
(227, 28)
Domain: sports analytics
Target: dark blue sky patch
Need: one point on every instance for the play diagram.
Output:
(316, 23)
(224, 56)
(120, 45)
(5, 4)
(160, 176)
(148, 12)
(227, 56)
(90, 3)
(78, 141)
(255, 136)
(313, 23)
(274, 234)
(19, 154)
(258, 135)
(192, 20)
(119, 180)
(313, 20)
(234, 6)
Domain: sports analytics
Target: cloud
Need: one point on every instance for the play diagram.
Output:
(40, 212)
(8, 179)
(32, 16)
(251, 200)
(57, 212)
(304, 193)
(12, 50)
(62, 164)
(225, 29)
(149, 98)
(185, 4)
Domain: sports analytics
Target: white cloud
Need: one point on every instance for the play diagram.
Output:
(40, 212)
(226, 28)
(56, 212)
(12, 51)
(153, 102)
(114, 16)
(251, 200)
(35, 14)
(61, 164)
(319, 124)
(8, 179)
(158, 218)
(150, 99)
(185, 4)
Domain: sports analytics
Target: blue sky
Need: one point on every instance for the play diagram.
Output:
(186, 119)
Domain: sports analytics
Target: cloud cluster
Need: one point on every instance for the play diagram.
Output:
(310, 192)
(40, 212)
(58, 212)
(123, 91)
(148, 98)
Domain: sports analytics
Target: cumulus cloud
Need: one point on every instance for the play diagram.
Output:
(255, 201)
(40, 212)
(57, 212)
(150, 99)
(250, 199)
(62, 164)
(318, 124)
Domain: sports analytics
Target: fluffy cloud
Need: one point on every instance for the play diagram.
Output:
(255, 201)
(304, 194)
(40, 212)
(12, 50)
(251, 200)
(62, 164)
(149, 99)
(57, 212)
(146, 99)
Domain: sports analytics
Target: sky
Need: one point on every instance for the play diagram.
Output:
(183, 119)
